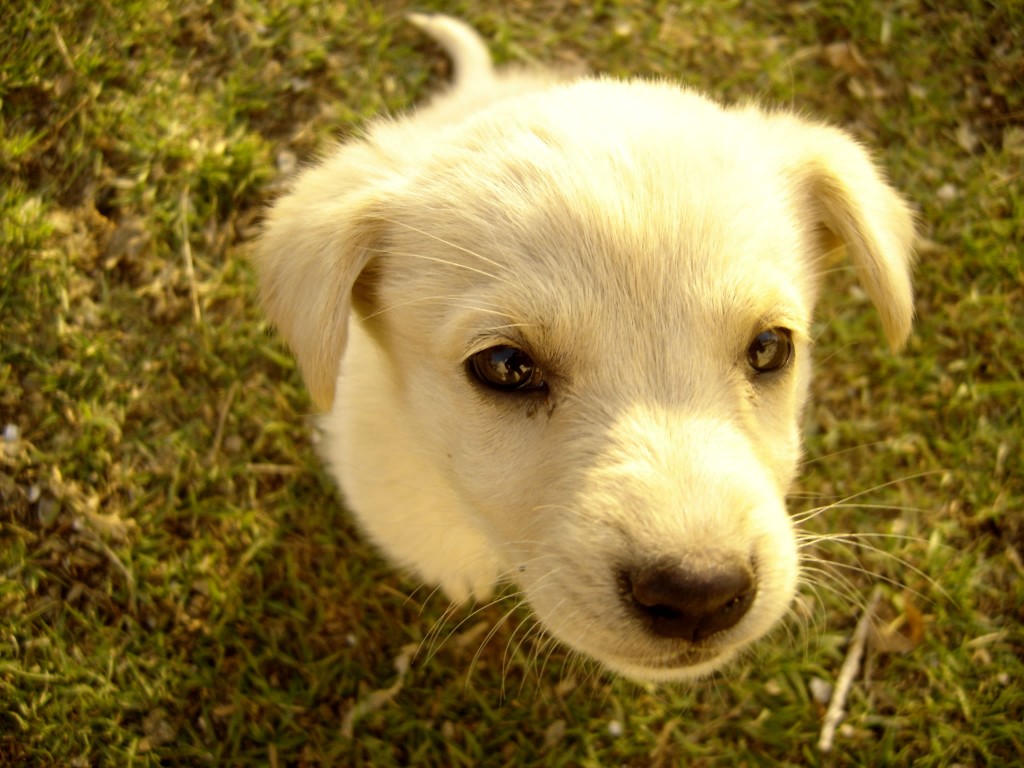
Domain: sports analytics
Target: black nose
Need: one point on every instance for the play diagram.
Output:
(689, 603)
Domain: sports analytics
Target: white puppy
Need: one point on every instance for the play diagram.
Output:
(561, 330)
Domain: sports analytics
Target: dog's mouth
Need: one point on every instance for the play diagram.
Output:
(688, 656)
(685, 619)
(683, 661)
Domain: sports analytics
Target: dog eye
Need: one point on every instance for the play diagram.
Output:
(507, 369)
(770, 350)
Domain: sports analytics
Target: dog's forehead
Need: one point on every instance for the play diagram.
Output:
(646, 212)
(623, 169)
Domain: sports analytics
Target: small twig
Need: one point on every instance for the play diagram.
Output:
(264, 468)
(190, 272)
(379, 698)
(62, 47)
(837, 706)
(129, 577)
(222, 418)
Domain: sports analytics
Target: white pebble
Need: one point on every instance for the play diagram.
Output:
(947, 193)
(821, 690)
(12, 437)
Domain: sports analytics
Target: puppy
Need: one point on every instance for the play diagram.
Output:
(561, 332)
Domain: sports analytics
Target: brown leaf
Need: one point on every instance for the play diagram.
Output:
(902, 634)
(844, 56)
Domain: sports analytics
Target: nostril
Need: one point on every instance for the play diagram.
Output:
(690, 604)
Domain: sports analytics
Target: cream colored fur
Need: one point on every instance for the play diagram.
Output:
(632, 237)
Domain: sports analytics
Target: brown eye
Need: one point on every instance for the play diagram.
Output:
(506, 369)
(770, 350)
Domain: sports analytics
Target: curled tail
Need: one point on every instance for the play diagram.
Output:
(471, 60)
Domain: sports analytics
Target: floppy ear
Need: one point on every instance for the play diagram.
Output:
(316, 242)
(847, 200)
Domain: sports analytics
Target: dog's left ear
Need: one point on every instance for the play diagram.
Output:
(847, 199)
(312, 259)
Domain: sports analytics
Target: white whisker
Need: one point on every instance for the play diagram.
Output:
(446, 262)
(449, 301)
(456, 246)
(810, 514)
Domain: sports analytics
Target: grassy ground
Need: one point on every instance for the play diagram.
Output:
(177, 583)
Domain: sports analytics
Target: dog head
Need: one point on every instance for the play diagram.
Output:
(594, 306)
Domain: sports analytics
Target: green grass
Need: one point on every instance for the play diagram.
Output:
(178, 584)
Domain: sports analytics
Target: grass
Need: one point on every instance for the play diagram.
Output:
(178, 585)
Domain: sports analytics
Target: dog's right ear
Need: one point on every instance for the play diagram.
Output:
(846, 198)
(317, 241)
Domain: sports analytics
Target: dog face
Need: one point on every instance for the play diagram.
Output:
(572, 331)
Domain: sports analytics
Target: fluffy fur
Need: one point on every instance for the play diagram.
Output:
(631, 240)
